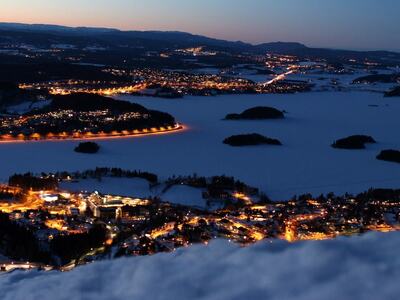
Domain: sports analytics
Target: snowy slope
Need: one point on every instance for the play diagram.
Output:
(366, 267)
(185, 195)
(115, 186)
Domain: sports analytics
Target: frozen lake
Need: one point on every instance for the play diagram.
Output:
(306, 162)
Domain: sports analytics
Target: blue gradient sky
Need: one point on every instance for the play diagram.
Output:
(355, 24)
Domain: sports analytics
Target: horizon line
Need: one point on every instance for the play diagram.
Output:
(196, 34)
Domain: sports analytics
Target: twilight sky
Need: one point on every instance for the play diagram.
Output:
(355, 24)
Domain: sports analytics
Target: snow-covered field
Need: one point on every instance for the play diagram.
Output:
(306, 162)
(114, 186)
(179, 194)
(366, 267)
(27, 106)
(185, 195)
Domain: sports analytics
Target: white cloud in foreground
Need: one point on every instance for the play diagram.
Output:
(366, 267)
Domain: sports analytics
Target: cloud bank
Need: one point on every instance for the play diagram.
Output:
(366, 267)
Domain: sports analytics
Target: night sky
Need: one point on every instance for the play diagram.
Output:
(353, 24)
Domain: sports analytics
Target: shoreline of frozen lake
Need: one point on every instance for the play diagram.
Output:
(305, 164)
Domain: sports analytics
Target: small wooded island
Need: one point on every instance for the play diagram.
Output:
(252, 139)
(257, 113)
(393, 92)
(389, 155)
(87, 148)
(354, 142)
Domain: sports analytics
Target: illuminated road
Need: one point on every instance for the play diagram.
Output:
(31, 200)
(282, 76)
(93, 136)
(12, 266)
(128, 89)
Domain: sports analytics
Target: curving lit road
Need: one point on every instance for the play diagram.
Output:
(290, 70)
(93, 136)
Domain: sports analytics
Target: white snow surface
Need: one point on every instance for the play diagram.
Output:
(185, 195)
(305, 163)
(366, 267)
(27, 106)
(135, 187)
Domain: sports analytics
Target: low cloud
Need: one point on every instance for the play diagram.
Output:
(366, 267)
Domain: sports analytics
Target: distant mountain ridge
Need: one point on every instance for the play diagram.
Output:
(167, 39)
(53, 28)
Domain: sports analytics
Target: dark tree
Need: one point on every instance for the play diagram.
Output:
(389, 155)
(250, 140)
(88, 148)
(257, 113)
(353, 142)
